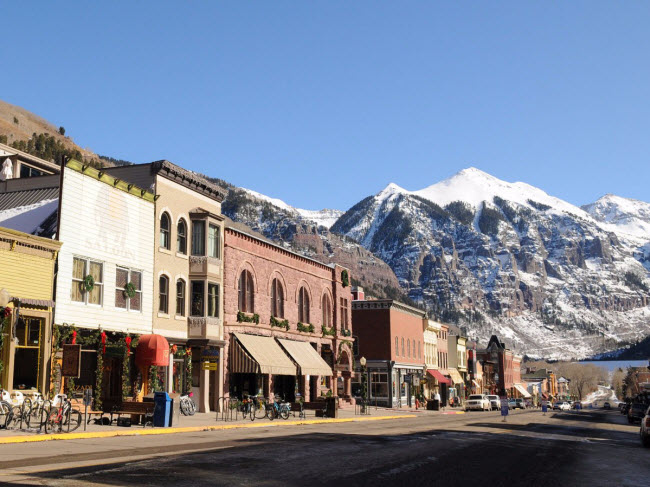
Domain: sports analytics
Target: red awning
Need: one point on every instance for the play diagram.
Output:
(152, 350)
(438, 376)
(545, 396)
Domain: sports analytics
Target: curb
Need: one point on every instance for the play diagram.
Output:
(187, 429)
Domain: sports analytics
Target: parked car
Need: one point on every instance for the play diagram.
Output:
(636, 412)
(607, 405)
(562, 406)
(519, 404)
(495, 402)
(645, 429)
(477, 401)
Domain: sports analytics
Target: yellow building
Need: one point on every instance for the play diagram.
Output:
(26, 288)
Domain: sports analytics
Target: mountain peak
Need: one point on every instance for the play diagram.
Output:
(390, 190)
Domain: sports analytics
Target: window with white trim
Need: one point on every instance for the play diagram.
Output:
(123, 276)
(81, 268)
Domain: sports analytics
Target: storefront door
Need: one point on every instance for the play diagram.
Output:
(27, 357)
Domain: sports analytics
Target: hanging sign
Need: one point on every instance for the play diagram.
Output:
(71, 360)
(209, 365)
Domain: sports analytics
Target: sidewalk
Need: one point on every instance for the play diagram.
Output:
(200, 422)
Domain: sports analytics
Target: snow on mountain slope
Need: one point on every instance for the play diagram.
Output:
(507, 257)
(625, 215)
(474, 186)
(325, 217)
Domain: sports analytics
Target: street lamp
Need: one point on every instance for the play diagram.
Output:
(364, 384)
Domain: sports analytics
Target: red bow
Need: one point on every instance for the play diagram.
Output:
(74, 337)
(127, 340)
(103, 342)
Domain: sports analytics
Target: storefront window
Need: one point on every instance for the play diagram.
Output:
(378, 384)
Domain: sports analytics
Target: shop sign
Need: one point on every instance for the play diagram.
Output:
(71, 361)
(407, 378)
(416, 381)
(209, 365)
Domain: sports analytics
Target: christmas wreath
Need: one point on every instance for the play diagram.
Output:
(88, 283)
(129, 290)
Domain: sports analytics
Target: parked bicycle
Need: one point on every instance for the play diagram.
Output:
(61, 416)
(188, 406)
(278, 409)
(258, 408)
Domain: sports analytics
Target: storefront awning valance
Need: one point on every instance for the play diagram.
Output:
(259, 354)
(521, 390)
(455, 377)
(306, 357)
(438, 376)
(152, 350)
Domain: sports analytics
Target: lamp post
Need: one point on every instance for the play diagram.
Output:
(364, 385)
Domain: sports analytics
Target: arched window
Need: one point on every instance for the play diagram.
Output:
(181, 237)
(408, 348)
(164, 231)
(163, 297)
(403, 354)
(180, 297)
(419, 352)
(327, 311)
(397, 346)
(277, 299)
(303, 305)
(246, 291)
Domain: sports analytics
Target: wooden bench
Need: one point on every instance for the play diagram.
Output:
(132, 408)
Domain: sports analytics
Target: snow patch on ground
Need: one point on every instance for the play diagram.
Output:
(28, 218)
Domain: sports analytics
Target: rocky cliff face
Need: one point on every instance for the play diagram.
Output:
(508, 258)
(307, 232)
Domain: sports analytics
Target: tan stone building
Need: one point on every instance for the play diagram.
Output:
(188, 276)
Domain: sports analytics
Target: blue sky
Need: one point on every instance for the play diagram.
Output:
(324, 103)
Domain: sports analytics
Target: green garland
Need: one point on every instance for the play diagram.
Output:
(346, 333)
(327, 331)
(244, 318)
(308, 328)
(345, 279)
(99, 379)
(5, 316)
(186, 355)
(280, 324)
(155, 384)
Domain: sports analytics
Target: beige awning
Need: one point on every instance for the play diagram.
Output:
(522, 390)
(306, 357)
(264, 351)
(455, 376)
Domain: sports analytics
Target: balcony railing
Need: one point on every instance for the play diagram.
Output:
(205, 265)
(205, 328)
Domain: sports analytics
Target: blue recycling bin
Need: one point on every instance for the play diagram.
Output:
(162, 409)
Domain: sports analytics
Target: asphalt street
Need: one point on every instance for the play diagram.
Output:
(589, 448)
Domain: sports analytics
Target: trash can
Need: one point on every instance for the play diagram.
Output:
(436, 405)
(162, 409)
(332, 406)
(175, 411)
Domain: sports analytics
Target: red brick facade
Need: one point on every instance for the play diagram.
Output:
(267, 262)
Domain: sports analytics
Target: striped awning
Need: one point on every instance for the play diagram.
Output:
(253, 354)
(306, 357)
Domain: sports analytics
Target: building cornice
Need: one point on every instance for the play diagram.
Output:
(190, 180)
(105, 178)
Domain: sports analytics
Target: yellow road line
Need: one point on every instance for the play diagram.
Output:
(187, 429)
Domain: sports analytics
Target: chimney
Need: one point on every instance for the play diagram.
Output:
(358, 294)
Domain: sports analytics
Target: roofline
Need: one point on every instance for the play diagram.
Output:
(30, 239)
(188, 178)
(282, 249)
(101, 176)
(51, 165)
(394, 304)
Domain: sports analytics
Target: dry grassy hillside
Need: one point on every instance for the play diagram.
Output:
(20, 124)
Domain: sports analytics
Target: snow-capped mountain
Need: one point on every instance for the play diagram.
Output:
(509, 258)
(325, 218)
(626, 216)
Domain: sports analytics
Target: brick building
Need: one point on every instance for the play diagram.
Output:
(287, 323)
(390, 337)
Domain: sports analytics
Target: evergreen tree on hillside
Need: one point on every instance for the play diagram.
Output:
(49, 148)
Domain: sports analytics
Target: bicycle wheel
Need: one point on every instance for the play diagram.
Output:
(5, 410)
(13, 420)
(192, 405)
(253, 411)
(284, 413)
(73, 420)
(185, 407)
(52, 422)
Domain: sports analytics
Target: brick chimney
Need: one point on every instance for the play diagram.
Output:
(358, 294)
